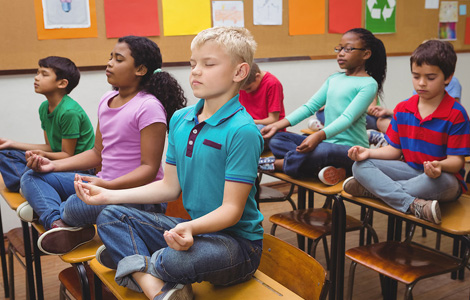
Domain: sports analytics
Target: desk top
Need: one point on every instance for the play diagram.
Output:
(313, 184)
(455, 215)
(260, 287)
(13, 199)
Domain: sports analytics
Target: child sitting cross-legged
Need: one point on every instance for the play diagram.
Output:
(431, 131)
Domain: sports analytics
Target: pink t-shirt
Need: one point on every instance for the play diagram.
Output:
(267, 98)
(120, 130)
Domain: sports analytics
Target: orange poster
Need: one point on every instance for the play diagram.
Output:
(306, 17)
(90, 30)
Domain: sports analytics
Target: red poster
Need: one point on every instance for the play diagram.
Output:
(344, 15)
(136, 17)
(467, 31)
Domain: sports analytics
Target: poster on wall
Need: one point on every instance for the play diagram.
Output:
(228, 13)
(306, 17)
(447, 31)
(179, 16)
(267, 12)
(380, 16)
(65, 19)
(344, 15)
(124, 17)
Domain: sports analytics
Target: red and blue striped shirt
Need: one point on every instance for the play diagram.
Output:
(444, 132)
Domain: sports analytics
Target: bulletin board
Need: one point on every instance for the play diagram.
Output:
(20, 48)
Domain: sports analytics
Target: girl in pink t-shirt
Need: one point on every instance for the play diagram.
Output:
(130, 137)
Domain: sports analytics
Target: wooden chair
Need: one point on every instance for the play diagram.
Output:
(68, 285)
(315, 223)
(285, 272)
(268, 194)
(405, 262)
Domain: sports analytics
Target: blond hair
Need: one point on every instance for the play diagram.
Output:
(238, 42)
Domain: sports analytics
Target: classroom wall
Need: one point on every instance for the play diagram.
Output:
(19, 118)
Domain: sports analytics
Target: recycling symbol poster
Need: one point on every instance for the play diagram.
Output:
(380, 16)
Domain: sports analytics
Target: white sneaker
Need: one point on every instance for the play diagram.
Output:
(331, 175)
(26, 213)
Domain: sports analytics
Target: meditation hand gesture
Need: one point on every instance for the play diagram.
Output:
(311, 142)
(358, 153)
(268, 131)
(432, 168)
(38, 163)
(180, 237)
(88, 192)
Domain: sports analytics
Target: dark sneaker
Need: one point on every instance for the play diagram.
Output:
(266, 160)
(331, 175)
(353, 187)
(62, 238)
(376, 138)
(266, 167)
(427, 210)
(104, 258)
(175, 291)
(26, 213)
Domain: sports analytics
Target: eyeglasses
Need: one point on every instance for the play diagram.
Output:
(347, 49)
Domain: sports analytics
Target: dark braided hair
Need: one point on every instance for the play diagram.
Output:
(376, 65)
(160, 84)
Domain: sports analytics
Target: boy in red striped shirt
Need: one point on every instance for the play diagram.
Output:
(431, 131)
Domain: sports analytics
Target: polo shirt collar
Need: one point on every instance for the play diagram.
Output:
(226, 111)
(443, 110)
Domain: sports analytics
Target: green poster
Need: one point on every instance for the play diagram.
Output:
(380, 16)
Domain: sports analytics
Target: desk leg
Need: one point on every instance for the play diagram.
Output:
(28, 259)
(301, 204)
(98, 287)
(394, 232)
(80, 268)
(338, 238)
(37, 264)
(4, 261)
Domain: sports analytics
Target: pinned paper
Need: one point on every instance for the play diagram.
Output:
(380, 16)
(185, 17)
(448, 11)
(447, 31)
(125, 17)
(344, 15)
(467, 31)
(463, 9)
(431, 4)
(306, 17)
(267, 12)
(228, 13)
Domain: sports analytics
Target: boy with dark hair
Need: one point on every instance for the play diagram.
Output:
(67, 129)
(262, 96)
(431, 130)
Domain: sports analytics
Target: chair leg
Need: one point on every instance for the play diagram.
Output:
(352, 269)
(327, 253)
(11, 273)
(408, 294)
(438, 241)
(273, 229)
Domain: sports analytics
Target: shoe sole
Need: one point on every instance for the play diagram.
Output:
(70, 229)
(346, 181)
(25, 212)
(436, 212)
(331, 175)
(99, 252)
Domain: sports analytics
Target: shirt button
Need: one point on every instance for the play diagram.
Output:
(191, 142)
(194, 131)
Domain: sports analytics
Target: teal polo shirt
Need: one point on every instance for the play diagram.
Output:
(225, 147)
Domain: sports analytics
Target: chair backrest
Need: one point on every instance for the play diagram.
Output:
(293, 268)
(176, 209)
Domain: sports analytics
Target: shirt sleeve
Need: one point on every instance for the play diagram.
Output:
(70, 125)
(458, 142)
(392, 136)
(151, 111)
(353, 111)
(275, 97)
(309, 108)
(243, 155)
(170, 151)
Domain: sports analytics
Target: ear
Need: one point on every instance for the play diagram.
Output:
(241, 72)
(447, 81)
(141, 70)
(367, 54)
(62, 83)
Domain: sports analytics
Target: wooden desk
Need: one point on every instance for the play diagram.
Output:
(260, 287)
(455, 223)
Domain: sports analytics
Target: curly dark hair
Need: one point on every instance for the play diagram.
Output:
(160, 84)
(376, 65)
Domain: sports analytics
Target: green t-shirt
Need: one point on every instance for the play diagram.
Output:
(67, 121)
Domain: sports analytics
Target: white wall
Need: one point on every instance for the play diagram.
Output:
(19, 118)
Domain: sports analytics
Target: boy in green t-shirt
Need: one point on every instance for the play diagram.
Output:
(67, 128)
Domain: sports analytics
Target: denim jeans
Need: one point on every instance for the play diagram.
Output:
(12, 167)
(296, 164)
(134, 239)
(398, 184)
(52, 196)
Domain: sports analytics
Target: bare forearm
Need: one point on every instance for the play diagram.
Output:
(141, 175)
(452, 164)
(217, 220)
(152, 193)
(83, 161)
(387, 152)
(56, 155)
(26, 146)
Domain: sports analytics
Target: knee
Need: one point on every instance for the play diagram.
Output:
(111, 213)
(27, 177)
(358, 166)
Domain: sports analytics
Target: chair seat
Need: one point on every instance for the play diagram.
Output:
(404, 262)
(268, 194)
(69, 278)
(15, 238)
(312, 223)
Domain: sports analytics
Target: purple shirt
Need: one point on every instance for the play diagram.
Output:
(120, 130)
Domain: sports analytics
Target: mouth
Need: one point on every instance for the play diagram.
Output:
(195, 83)
(108, 72)
(341, 61)
(36, 85)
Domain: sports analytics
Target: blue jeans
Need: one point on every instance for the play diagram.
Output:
(284, 144)
(12, 167)
(52, 196)
(135, 242)
(398, 184)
